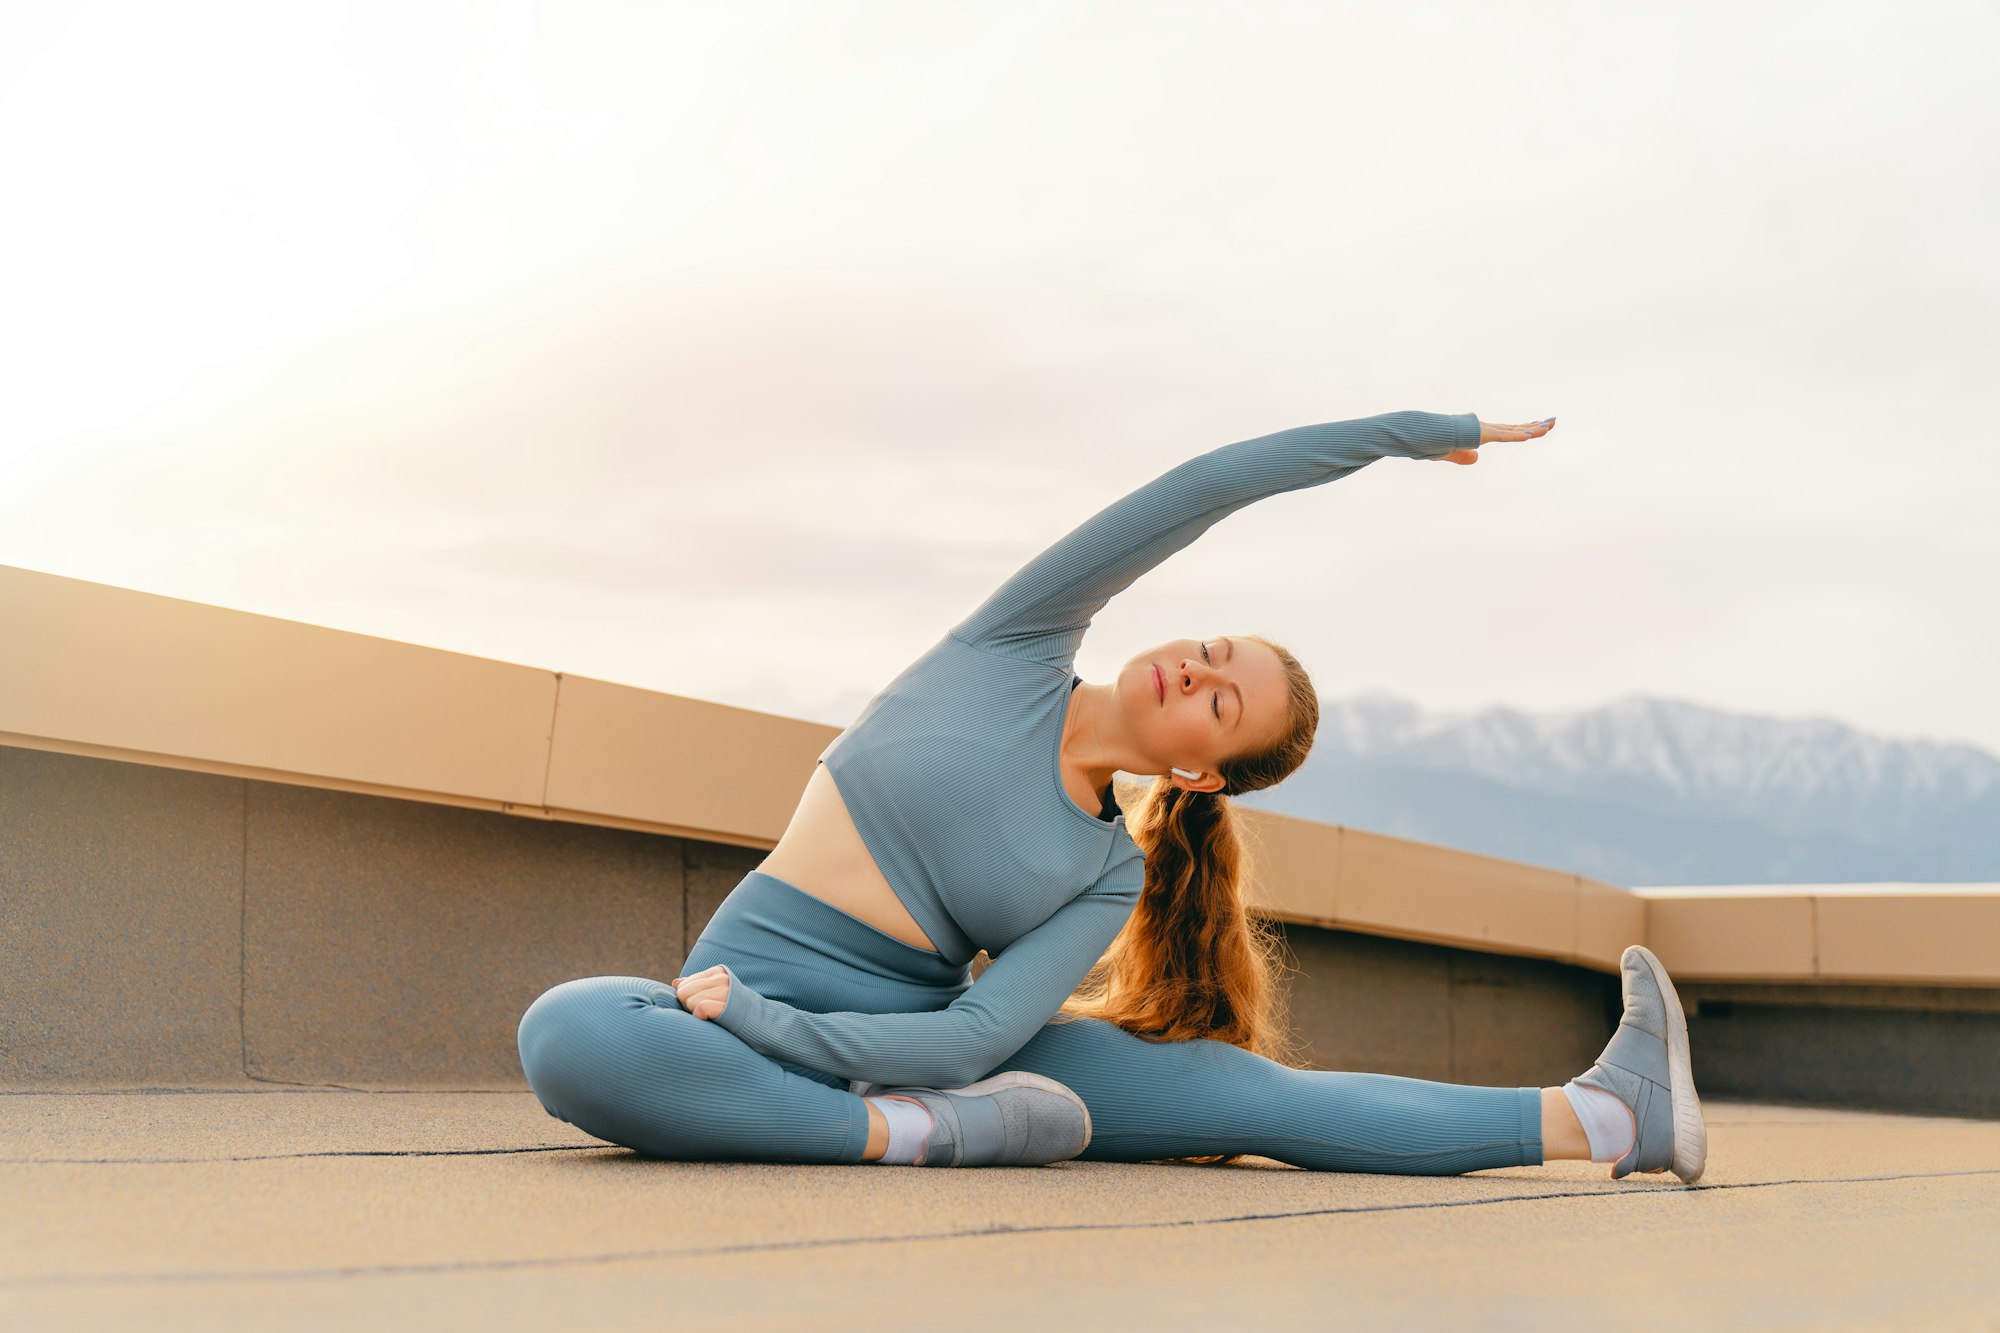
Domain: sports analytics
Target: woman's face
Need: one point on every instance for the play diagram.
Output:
(1196, 703)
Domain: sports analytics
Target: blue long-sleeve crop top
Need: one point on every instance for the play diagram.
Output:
(952, 773)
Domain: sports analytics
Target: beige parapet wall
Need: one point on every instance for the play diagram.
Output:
(1926, 934)
(112, 673)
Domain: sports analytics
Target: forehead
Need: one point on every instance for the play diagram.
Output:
(1266, 694)
(1251, 654)
(1263, 671)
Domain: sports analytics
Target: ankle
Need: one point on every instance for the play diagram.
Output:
(1563, 1138)
(878, 1133)
(1610, 1126)
(907, 1126)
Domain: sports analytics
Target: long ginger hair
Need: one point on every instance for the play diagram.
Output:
(1191, 962)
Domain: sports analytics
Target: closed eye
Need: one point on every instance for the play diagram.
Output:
(1214, 700)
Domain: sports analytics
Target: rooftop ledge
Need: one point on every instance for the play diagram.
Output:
(107, 672)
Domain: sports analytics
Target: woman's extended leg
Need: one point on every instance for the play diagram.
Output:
(1151, 1100)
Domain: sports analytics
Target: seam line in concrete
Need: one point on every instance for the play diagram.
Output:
(1451, 1021)
(311, 1087)
(280, 1085)
(243, 939)
(549, 750)
(294, 1156)
(837, 1242)
(1812, 911)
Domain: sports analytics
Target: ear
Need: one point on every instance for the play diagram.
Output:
(1197, 782)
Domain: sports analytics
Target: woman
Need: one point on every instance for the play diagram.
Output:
(826, 1013)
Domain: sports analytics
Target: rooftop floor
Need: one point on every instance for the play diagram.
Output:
(343, 1209)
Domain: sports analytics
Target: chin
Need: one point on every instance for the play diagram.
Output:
(1135, 689)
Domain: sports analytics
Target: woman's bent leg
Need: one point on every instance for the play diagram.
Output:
(620, 1059)
(1151, 1100)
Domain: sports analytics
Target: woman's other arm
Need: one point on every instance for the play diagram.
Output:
(945, 1048)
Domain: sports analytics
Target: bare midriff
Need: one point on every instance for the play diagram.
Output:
(821, 853)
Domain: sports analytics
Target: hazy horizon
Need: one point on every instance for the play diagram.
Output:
(738, 352)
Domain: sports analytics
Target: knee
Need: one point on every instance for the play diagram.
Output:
(620, 1059)
(570, 1038)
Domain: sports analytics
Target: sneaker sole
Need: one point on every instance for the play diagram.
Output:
(1690, 1131)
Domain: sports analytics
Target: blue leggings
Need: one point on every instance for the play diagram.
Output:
(621, 1060)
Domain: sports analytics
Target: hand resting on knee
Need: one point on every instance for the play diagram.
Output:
(705, 994)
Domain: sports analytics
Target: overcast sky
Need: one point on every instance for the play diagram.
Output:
(738, 350)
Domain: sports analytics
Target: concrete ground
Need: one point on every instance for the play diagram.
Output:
(343, 1209)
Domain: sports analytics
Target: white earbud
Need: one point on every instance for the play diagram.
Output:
(1183, 773)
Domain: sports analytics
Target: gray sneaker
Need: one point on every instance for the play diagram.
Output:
(1014, 1119)
(1646, 1067)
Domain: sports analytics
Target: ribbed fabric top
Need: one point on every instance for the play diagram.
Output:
(953, 777)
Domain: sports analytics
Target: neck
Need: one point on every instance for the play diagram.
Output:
(1092, 743)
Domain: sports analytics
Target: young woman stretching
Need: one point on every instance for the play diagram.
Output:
(826, 1013)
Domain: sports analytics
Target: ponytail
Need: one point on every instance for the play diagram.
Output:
(1191, 962)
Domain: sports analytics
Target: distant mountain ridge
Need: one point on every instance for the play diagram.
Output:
(1655, 791)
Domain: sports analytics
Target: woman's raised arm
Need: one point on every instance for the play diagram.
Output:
(1043, 610)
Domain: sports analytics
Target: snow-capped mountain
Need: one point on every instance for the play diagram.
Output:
(1655, 791)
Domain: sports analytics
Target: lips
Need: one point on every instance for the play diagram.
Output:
(1159, 682)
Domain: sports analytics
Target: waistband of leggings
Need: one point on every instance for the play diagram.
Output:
(765, 903)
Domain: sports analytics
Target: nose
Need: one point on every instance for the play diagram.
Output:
(1195, 670)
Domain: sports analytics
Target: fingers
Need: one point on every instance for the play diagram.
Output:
(1490, 431)
(705, 994)
(706, 1004)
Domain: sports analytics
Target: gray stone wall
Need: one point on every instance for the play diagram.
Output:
(174, 929)
(1449, 1015)
(167, 929)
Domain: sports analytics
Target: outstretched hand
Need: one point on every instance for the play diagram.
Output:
(1490, 431)
(706, 993)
